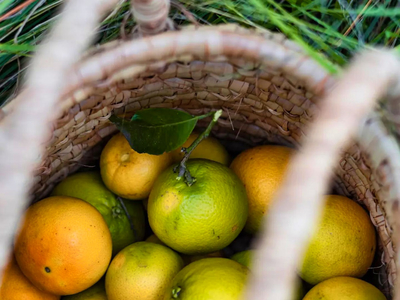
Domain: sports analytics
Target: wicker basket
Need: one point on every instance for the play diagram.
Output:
(269, 90)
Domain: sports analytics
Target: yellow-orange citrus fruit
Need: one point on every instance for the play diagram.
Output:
(344, 288)
(343, 244)
(202, 218)
(209, 148)
(15, 286)
(209, 278)
(64, 245)
(142, 270)
(154, 239)
(261, 169)
(89, 187)
(127, 173)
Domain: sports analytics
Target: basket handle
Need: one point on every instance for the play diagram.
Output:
(298, 205)
(151, 16)
(26, 129)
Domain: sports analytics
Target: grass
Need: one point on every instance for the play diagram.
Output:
(331, 31)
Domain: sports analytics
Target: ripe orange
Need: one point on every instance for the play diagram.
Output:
(343, 244)
(261, 169)
(154, 239)
(142, 270)
(89, 187)
(210, 148)
(127, 173)
(201, 218)
(64, 245)
(15, 286)
(209, 278)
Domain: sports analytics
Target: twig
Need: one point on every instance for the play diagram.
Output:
(187, 13)
(16, 9)
(345, 6)
(183, 171)
(357, 18)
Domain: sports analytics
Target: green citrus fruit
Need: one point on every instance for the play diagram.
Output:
(201, 218)
(243, 257)
(96, 292)
(209, 278)
(344, 288)
(142, 270)
(89, 187)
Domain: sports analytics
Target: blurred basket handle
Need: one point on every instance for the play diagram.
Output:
(297, 206)
(151, 16)
(25, 129)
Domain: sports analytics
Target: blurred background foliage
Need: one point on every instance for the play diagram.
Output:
(329, 30)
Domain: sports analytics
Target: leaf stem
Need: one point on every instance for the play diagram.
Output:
(183, 171)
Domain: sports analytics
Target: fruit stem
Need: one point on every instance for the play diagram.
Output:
(183, 171)
(129, 217)
(176, 292)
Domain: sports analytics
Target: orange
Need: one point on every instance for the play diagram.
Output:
(89, 187)
(261, 169)
(63, 246)
(202, 218)
(344, 288)
(154, 239)
(209, 148)
(127, 173)
(209, 279)
(142, 270)
(187, 259)
(15, 286)
(343, 244)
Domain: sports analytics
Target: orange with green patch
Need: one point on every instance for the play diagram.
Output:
(202, 218)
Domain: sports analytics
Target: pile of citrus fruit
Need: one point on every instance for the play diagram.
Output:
(135, 230)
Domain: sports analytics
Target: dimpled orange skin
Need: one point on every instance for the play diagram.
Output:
(343, 244)
(127, 173)
(64, 245)
(261, 169)
(15, 286)
(202, 218)
(142, 271)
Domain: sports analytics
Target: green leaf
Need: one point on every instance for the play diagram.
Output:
(157, 130)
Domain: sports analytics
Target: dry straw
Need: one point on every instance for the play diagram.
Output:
(268, 88)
